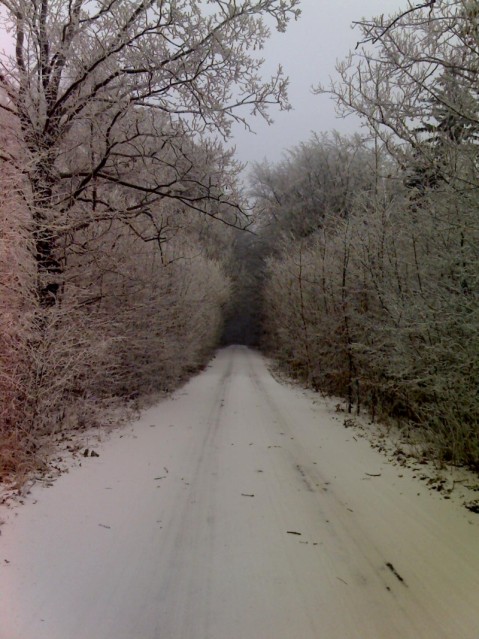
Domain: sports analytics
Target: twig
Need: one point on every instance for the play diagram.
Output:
(375, 39)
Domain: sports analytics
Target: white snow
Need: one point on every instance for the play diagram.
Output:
(184, 527)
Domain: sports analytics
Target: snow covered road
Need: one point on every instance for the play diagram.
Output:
(238, 509)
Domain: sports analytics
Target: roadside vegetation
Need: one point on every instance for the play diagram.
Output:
(370, 283)
(118, 200)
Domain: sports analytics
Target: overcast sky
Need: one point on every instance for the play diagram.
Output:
(308, 52)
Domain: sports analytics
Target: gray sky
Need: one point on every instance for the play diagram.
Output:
(308, 52)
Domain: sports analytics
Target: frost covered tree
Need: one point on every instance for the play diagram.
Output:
(317, 179)
(309, 233)
(134, 78)
(414, 82)
(382, 306)
(447, 138)
(411, 71)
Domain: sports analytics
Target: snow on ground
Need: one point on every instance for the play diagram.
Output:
(239, 508)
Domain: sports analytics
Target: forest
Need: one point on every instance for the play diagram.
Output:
(130, 249)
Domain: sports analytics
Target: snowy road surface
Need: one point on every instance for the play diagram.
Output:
(238, 509)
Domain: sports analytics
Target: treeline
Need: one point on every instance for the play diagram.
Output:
(371, 284)
(117, 200)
